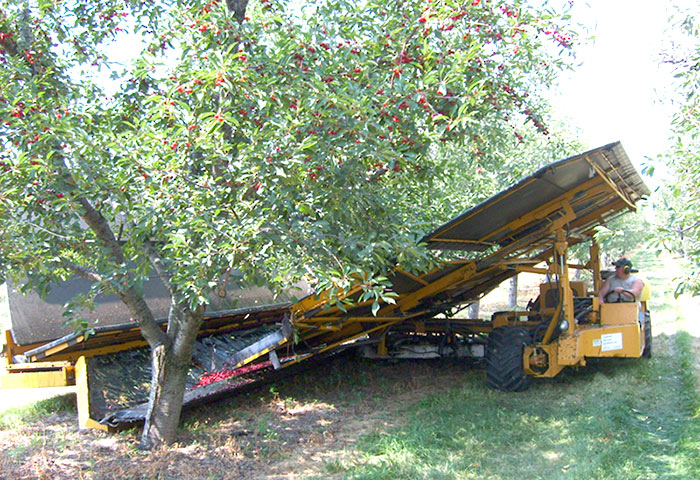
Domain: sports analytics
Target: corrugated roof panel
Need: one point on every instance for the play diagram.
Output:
(481, 227)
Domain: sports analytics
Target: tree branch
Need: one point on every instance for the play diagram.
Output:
(99, 225)
(144, 317)
(129, 295)
(238, 7)
(81, 271)
(40, 228)
(690, 227)
(159, 266)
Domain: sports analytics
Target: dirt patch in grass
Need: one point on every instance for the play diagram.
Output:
(301, 426)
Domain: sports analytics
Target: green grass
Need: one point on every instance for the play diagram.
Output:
(690, 441)
(26, 414)
(615, 419)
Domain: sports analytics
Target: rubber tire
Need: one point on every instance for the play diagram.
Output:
(504, 359)
(647, 335)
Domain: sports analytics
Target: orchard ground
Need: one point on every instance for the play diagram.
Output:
(353, 418)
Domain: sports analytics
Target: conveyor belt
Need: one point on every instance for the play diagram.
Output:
(488, 244)
(121, 381)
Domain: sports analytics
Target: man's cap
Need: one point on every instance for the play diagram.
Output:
(623, 262)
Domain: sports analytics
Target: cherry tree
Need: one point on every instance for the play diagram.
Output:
(280, 139)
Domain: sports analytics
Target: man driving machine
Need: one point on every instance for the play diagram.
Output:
(622, 286)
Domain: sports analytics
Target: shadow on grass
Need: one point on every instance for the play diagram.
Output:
(615, 419)
(344, 381)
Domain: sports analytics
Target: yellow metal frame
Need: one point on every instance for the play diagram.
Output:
(618, 333)
(542, 235)
(56, 368)
(18, 376)
(55, 373)
(83, 394)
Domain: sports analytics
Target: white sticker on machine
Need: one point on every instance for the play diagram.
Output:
(611, 341)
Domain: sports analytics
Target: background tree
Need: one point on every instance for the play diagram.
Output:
(290, 139)
(622, 236)
(678, 201)
(468, 176)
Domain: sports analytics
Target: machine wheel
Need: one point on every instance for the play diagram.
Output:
(647, 335)
(504, 359)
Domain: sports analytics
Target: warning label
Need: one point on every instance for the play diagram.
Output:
(610, 341)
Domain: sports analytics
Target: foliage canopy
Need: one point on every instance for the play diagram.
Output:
(284, 144)
(678, 202)
(283, 141)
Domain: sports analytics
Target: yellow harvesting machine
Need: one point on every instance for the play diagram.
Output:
(528, 227)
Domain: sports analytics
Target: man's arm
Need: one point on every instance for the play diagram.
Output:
(637, 288)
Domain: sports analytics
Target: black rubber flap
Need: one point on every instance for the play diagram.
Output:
(119, 384)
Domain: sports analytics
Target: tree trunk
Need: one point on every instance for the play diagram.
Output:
(513, 292)
(165, 400)
(473, 310)
(170, 366)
